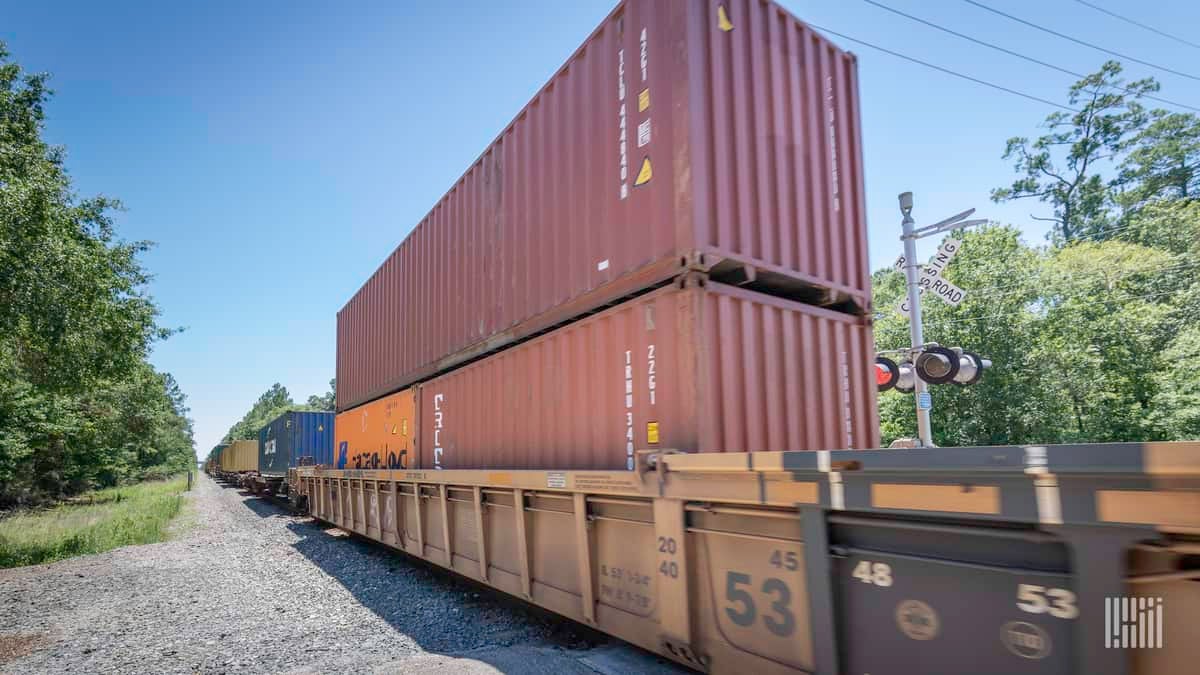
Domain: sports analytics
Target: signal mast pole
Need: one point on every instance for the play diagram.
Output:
(924, 428)
(912, 275)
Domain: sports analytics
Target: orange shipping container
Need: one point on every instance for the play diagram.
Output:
(696, 369)
(378, 435)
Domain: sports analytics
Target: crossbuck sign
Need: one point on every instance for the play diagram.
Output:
(931, 276)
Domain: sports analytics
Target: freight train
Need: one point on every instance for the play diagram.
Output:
(622, 371)
(294, 438)
(234, 460)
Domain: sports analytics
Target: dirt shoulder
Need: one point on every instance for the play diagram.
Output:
(246, 587)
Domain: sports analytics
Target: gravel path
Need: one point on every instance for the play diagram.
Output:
(245, 587)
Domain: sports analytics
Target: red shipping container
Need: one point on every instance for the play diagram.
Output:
(683, 134)
(697, 369)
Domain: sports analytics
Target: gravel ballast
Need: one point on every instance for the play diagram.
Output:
(244, 586)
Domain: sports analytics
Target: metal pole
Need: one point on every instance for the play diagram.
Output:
(912, 276)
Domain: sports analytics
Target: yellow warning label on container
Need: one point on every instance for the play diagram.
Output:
(644, 100)
(644, 174)
(723, 21)
(651, 432)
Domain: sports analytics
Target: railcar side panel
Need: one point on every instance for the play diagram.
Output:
(928, 560)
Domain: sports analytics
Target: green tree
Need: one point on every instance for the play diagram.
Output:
(79, 404)
(271, 404)
(1061, 167)
(1162, 160)
(72, 297)
(325, 402)
(1176, 410)
(1172, 226)
(1105, 322)
(1089, 342)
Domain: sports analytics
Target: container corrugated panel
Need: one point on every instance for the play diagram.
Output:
(274, 446)
(699, 369)
(293, 436)
(241, 455)
(314, 438)
(671, 139)
(381, 434)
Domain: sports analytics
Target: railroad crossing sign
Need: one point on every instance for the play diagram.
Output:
(917, 280)
(931, 276)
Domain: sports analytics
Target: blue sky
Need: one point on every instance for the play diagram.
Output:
(278, 151)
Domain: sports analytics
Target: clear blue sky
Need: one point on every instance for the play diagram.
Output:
(277, 151)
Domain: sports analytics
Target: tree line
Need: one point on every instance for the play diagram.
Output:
(273, 403)
(1094, 335)
(80, 405)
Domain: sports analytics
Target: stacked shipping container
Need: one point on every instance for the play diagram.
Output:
(669, 140)
(699, 369)
(681, 145)
(379, 435)
(292, 437)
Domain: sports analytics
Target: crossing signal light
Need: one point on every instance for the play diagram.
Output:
(886, 373)
(933, 365)
(970, 368)
(936, 365)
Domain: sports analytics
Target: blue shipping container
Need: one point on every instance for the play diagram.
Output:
(292, 437)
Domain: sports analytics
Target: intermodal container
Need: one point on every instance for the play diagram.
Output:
(708, 368)
(295, 437)
(715, 136)
(381, 434)
(240, 456)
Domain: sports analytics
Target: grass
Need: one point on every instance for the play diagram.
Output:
(97, 522)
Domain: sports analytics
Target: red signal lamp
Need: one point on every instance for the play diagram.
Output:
(887, 373)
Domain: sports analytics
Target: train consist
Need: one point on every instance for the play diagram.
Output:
(623, 371)
(295, 438)
(231, 461)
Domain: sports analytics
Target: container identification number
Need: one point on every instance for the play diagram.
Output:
(628, 410)
(650, 363)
